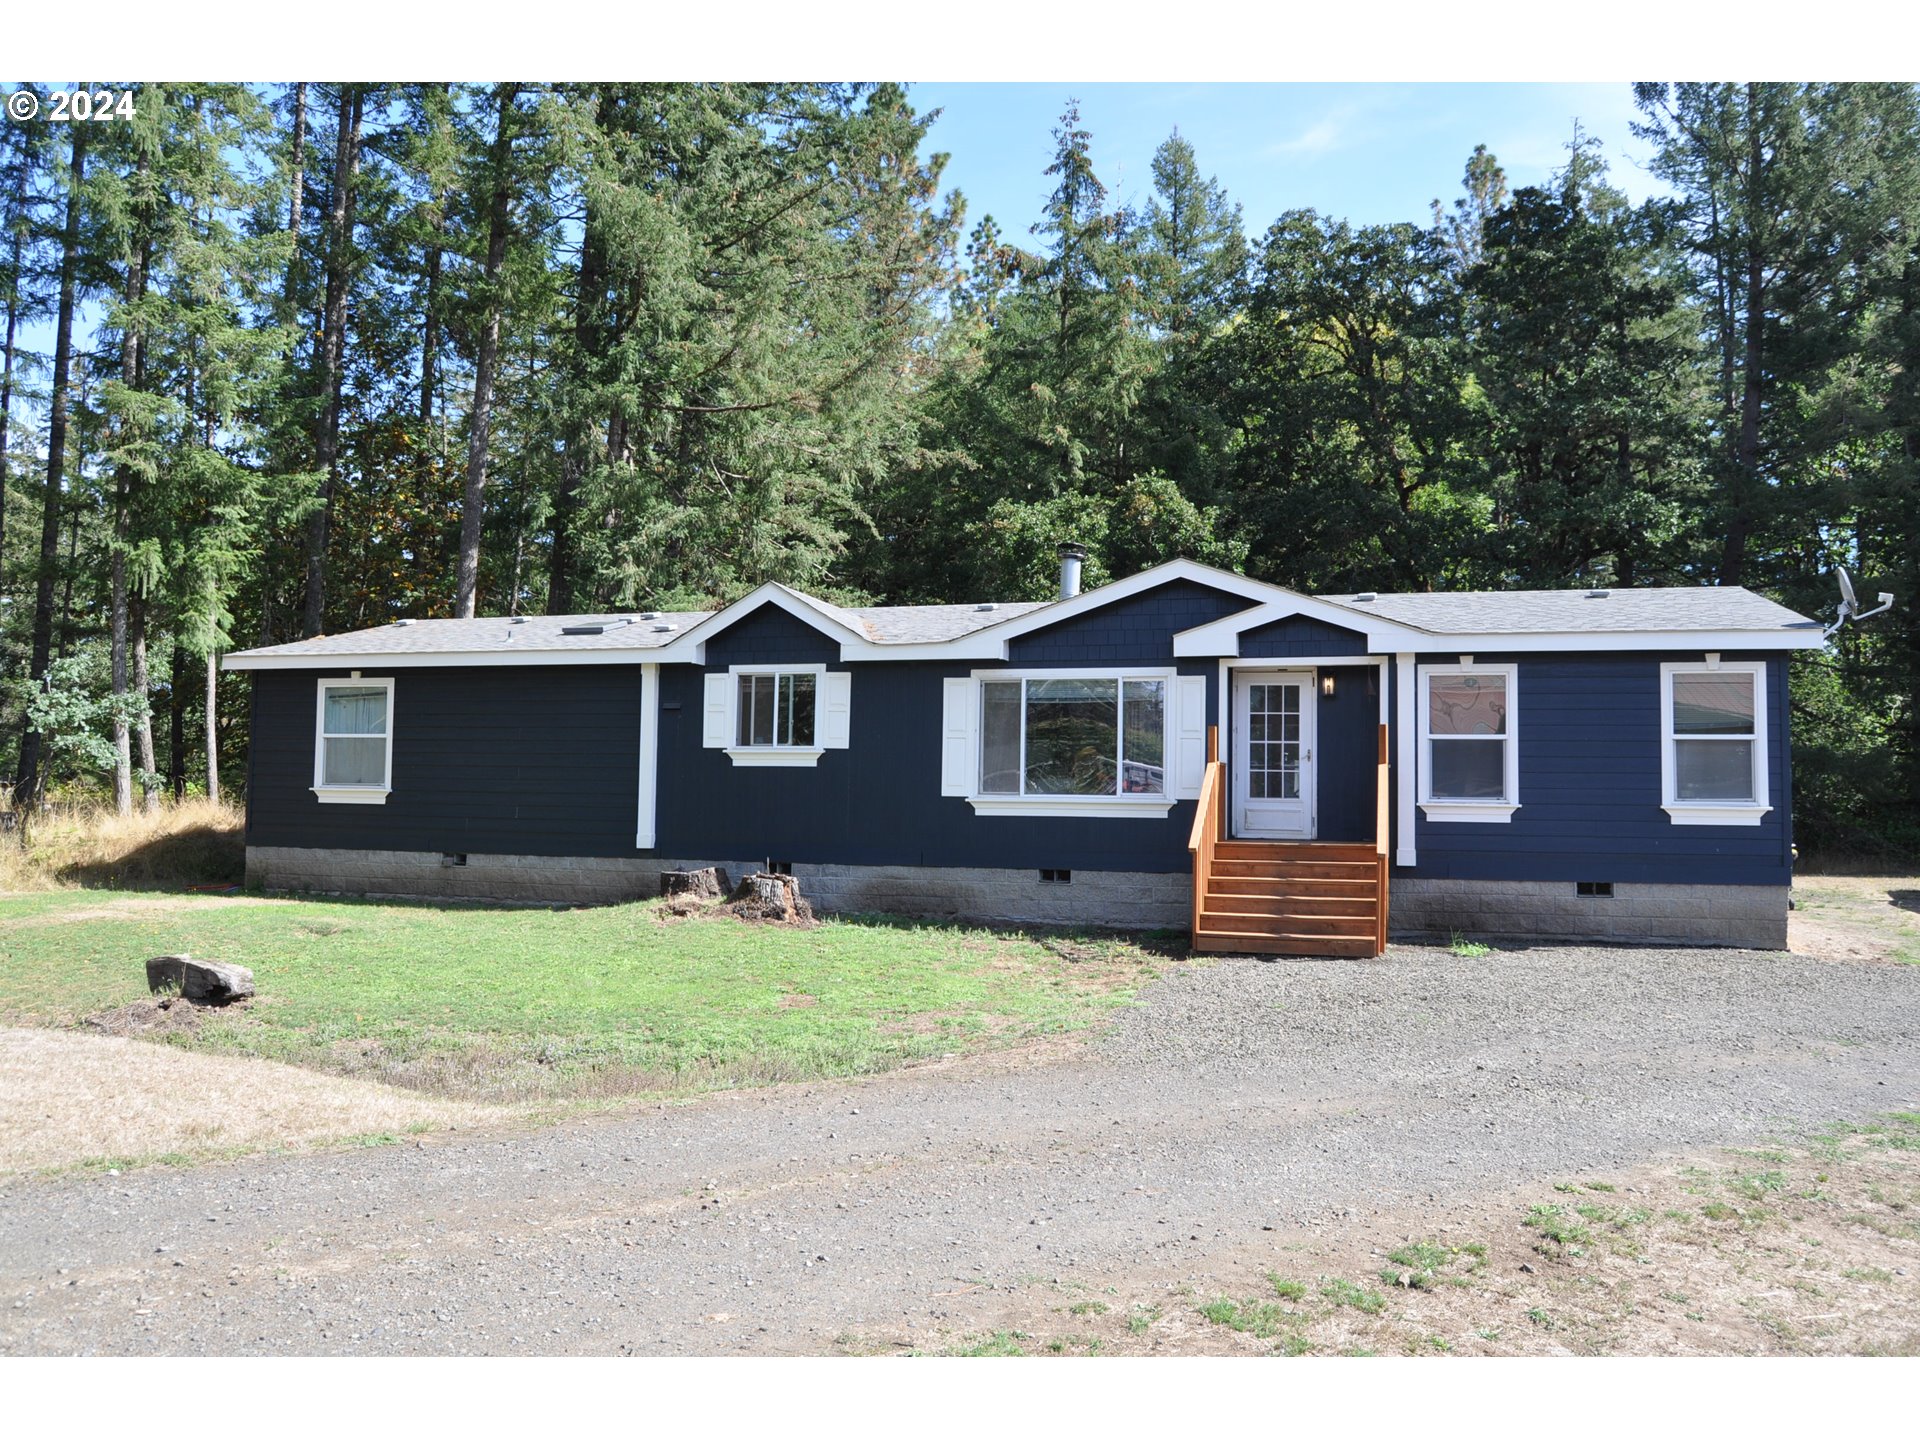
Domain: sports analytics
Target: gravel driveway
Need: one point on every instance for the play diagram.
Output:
(1238, 1098)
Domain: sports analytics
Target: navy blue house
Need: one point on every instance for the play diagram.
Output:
(1183, 748)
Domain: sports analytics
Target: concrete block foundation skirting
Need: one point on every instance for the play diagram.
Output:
(1120, 899)
(1751, 917)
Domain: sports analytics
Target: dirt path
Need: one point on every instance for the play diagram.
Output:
(109, 1100)
(1243, 1109)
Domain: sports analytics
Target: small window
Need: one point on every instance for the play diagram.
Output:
(779, 867)
(1714, 742)
(1594, 889)
(775, 710)
(353, 741)
(1468, 741)
(1056, 877)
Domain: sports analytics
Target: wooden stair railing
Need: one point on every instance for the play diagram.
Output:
(1380, 807)
(1209, 823)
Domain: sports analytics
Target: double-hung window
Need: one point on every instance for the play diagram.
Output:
(1713, 742)
(353, 741)
(1074, 737)
(1470, 763)
(778, 714)
(775, 709)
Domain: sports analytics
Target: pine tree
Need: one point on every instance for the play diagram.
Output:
(31, 775)
(1462, 231)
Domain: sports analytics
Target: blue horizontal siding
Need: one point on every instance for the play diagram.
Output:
(1588, 729)
(485, 760)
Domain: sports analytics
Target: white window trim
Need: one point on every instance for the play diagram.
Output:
(1113, 807)
(1470, 812)
(776, 754)
(1714, 812)
(349, 794)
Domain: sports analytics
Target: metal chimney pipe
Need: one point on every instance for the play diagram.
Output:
(1071, 558)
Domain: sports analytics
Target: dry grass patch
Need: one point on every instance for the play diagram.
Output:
(78, 1099)
(1856, 917)
(194, 842)
(1809, 1246)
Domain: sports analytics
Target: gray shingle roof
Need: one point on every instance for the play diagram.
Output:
(1514, 612)
(532, 632)
(1527, 612)
(930, 624)
(883, 624)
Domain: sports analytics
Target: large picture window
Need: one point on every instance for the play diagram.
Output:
(353, 741)
(1470, 769)
(1713, 743)
(1074, 735)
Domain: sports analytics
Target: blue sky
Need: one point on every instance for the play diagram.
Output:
(1369, 153)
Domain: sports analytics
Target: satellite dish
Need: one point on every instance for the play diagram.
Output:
(1847, 602)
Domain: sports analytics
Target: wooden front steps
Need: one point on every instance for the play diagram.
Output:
(1269, 897)
(1289, 899)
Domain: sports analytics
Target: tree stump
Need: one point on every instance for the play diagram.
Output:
(710, 883)
(770, 897)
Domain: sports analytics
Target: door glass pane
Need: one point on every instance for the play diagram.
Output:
(1073, 737)
(1469, 769)
(1466, 705)
(1000, 737)
(1273, 741)
(355, 762)
(1145, 721)
(1713, 769)
(1713, 704)
(355, 710)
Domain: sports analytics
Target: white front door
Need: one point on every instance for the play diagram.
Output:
(1273, 754)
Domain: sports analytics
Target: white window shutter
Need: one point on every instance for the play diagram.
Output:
(959, 723)
(1189, 735)
(836, 700)
(719, 726)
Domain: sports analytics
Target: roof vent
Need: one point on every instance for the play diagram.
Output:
(403, 622)
(1598, 594)
(663, 628)
(988, 605)
(649, 614)
(1366, 596)
(517, 620)
(598, 627)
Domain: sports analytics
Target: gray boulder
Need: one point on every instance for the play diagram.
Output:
(203, 982)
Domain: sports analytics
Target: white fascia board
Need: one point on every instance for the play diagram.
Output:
(1255, 592)
(690, 647)
(1592, 641)
(416, 659)
(1222, 636)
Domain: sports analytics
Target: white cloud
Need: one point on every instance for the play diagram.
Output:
(1317, 139)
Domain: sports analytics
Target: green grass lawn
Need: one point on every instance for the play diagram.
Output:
(537, 1005)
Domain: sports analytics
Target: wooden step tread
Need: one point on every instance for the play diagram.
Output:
(1243, 922)
(1240, 903)
(1290, 850)
(1290, 885)
(1297, 869)
(1341, 946)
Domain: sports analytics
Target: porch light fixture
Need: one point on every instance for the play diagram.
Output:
(1326, 685)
